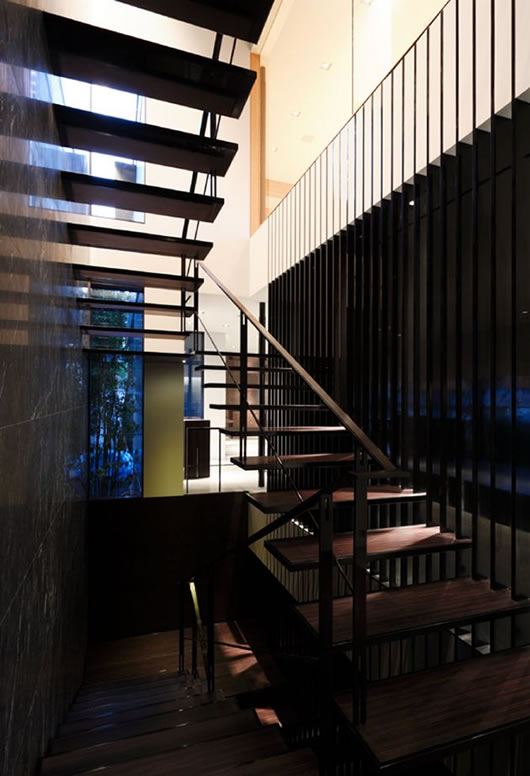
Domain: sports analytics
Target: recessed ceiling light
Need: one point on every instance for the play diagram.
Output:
(325, 65)
(275, 149)
(227, 325)
(412, 203)
(296, 113)
(366, 2)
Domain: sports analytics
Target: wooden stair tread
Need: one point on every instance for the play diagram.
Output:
(95, 330)
(269, 462)
(92, 190)
(432, 710)
(129, 278)
(298, 763)
(294, 407)
(137, 242)
(282, 501)
(207, 758)
(237, 18)
(302, 553)
(285, 430)
(163, 680)
(83, 710)
(100, 755)
(194, 713)
(418, 608)
(115, 305)
(222, 367)
(136, 140)
(89, 53)
(112, 731)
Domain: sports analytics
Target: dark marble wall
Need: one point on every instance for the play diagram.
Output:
(42, 434)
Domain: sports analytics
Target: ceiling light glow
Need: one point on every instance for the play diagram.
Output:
(296, 114)
(325, 65)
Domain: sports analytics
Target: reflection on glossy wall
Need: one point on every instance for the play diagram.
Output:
(42, 431)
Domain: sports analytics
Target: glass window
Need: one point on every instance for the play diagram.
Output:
(99, 99)
(116, 425)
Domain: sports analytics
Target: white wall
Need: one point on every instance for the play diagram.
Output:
(331, 192)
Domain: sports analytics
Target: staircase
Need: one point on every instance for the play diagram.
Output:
(415, 636)
(420, 661)
(137, 713)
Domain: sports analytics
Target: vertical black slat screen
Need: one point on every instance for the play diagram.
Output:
(415, 316)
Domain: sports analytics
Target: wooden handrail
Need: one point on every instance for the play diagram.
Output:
(369, 446)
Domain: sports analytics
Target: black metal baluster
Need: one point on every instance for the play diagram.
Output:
(243, 383)
(475, 344)
(443, 298)
(493, 309)
(261, 392)
(458, 294)
(514, 364)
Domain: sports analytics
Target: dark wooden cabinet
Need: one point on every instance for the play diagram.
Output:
(197, 448)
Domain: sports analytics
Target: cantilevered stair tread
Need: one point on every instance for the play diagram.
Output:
(283, 430)
(257, 386)
(207, 758)
(292, 407)
(431, 711)
(88, 53)
(106, 754)
(222, 367)
(93, 330)
(134, 140)
(284, 500)
(116, 305)
(137, 242)
(89, 189)
(419, 608)
(237, 18)
(270, 462)
(230, 353)
(128, 278)
(302, 553)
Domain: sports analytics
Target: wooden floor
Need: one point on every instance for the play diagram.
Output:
(302, 553)
(421, 607)
(284, 500)
(436, 708)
